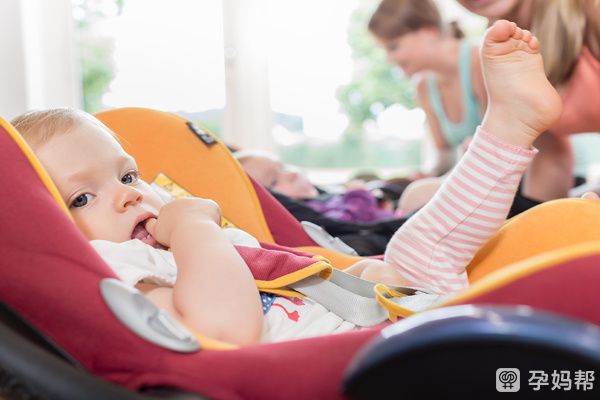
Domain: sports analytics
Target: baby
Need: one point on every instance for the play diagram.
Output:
(276, 176)
(357, 204)
(202, 281)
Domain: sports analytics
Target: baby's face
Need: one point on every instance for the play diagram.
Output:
(100, 184)
(278, 177)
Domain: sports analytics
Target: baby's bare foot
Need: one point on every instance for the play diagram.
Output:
(521, 102)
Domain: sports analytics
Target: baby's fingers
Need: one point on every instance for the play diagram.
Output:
(151, 226)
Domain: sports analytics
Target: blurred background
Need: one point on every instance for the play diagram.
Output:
(304, 79)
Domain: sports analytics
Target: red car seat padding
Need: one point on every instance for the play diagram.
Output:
(51, 277)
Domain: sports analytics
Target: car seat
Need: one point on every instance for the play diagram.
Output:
(52, 280)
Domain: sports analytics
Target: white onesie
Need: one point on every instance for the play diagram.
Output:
(287, 318)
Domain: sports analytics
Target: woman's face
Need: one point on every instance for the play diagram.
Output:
(492, 9)
(410, 51)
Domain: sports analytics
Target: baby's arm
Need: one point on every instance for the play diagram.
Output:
(215, 292)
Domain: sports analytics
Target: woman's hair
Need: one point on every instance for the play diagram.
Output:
(560, 26)
(455, 31)
(394, 18)
(39, 126)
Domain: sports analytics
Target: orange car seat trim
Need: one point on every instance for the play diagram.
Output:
(338, 260)
(212, 344)
(383, 294)
(546, 227)
(321, 268)
(523, 269)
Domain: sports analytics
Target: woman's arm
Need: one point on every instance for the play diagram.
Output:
(550, 175)
(445, 157)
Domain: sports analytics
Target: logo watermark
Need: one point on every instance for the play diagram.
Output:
(508, 379)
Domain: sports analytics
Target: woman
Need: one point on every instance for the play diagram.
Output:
(569, 31)
(452, 93)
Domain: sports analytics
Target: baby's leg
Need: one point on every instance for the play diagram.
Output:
(434, 246)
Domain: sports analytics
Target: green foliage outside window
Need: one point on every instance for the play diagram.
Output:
(376, 85)
(97, 73)
(96, 52)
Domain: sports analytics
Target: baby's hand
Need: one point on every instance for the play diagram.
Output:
(590, 196)
(377, 271)
(181, 214)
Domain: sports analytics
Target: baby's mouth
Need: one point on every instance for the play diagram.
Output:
(140, 233)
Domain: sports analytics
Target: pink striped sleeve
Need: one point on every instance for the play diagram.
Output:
(433, 248)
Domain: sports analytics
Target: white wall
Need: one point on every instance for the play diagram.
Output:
(248, 121)
(39, 67)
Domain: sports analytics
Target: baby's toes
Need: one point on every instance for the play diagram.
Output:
(524, 46)
(518, 34)
(501, 31)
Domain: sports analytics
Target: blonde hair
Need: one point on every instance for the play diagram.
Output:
(394, 18)
(39, 126)
(560, 26)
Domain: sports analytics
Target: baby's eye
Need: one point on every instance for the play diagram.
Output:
(130, 177)
(81, 200)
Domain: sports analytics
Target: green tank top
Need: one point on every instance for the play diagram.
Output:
(455, 133)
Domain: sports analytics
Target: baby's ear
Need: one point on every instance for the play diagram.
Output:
(591, 196)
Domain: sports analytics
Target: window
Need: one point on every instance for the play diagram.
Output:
(152, 53)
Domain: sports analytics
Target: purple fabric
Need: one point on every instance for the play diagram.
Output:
(354, 206)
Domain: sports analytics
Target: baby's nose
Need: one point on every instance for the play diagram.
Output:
(128, 196)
